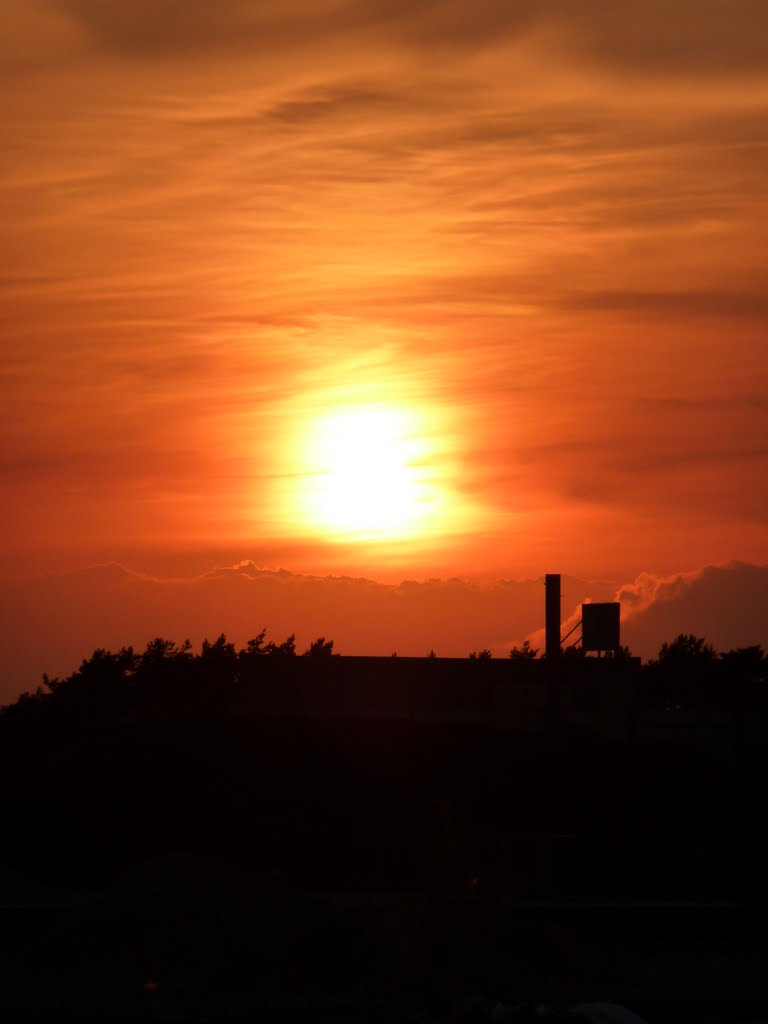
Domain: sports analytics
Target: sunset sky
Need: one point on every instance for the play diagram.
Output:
(383, 289)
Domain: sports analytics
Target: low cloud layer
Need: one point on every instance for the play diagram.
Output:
(725, 604)
(640, 35)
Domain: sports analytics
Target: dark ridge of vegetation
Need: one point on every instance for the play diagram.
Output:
(250, 823)
(365, 771)
(688, 674)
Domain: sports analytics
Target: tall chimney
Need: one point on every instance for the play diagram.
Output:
(552, 619)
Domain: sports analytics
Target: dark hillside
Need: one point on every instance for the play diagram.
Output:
(356, 819)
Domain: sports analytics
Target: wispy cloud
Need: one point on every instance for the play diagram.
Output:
(649, 36)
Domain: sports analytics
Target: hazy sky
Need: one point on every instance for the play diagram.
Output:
(516, 250)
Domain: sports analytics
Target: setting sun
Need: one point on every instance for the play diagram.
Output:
(369, 476)
(373, 466)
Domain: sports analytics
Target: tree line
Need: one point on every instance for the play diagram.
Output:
(687, 673)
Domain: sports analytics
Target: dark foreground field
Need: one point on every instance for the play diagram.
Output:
(375, 870)
(182, 941)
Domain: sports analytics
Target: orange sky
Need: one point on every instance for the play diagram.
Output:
(537, 232)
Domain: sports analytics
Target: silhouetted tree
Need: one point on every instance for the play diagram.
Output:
(622, 653)
(687, 648)
(484, 655)
(573, 652)
(286, 649)
(50, 684)
(320, 648)
(255, 646)
(524, 653)
(164, 667)
(97, 688)
(159, 652)
(250, 659)
(745, 661)
(744, 673)
(685, 674)
(218, 661)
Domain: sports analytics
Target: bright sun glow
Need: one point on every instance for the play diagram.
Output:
(368, 474)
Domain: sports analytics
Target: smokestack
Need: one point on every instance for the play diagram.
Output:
(552, 619)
